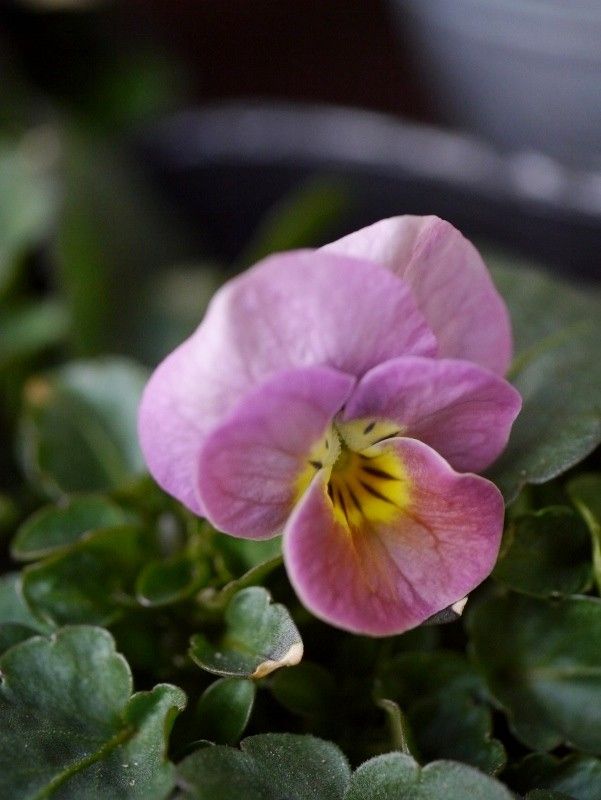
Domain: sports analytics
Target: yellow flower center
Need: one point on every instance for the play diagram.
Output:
(365, 482)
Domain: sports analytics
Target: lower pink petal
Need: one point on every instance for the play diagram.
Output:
(382, 579)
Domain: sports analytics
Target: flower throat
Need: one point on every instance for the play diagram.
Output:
(365, 481)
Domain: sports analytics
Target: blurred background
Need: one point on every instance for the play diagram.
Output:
(151, 148)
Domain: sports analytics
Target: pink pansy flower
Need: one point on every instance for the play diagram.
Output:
(344, 397)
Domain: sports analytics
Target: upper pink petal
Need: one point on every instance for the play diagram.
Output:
(462, 411)
(291, 310)
(382, 579)
(249, 463)
(450, 281)
(311, 307)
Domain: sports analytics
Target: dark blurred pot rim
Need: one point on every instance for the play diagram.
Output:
(565, 31)
(265, 132)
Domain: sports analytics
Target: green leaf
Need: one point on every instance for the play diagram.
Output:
(457, 727)
(83, 735)
(544, 794)
(301, 219)
(268, 767)
(556, 335)
(531, 292)
(224, 710)
(12, 633)
(307, 689)
(242, 555)
(134, 87)
(260, 637)
(424, 638)
(575, 776)
(9, 514)
(408, 676)
(27, 199)
(114, 235)
(174, 302)
(17, 622)
(443, 698)
(13, 607)
(58, 526)
(93, 580)
(167, 581)
(29, 328)
(218, 599)
(546, 552)
(585, 493)
(79, 426)
(540, 659)
(398, 777)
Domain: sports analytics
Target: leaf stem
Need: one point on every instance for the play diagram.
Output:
(397, 725)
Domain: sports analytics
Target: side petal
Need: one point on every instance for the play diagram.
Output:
(462, 411)
(385, 578)
(183, 399)
(253, 465)
(291, 310)
(450, 281)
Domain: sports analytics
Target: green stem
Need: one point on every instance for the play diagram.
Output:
(397, 725)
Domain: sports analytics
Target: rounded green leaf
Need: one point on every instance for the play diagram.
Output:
(444, 701)
(575, 776)
(28, 328)
(307, 689)
(546, 552)
(79, 426)
(406, 677)
(585, 493)
(541, 660)
(13, 607)
(267, 767)
(259, 638)
(90, 582)
(57, 526)
(13, 633)
(224, 709)
(167, 581)
(398, 777)
(17, 622)
(457, 727)
(554, 350)
(84, 736)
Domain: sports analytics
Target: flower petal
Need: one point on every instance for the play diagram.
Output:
(461, 410)
(450, 281)
(250, 465)
(382, 578)
(173, 417)
(311, 307)
(291, 310)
